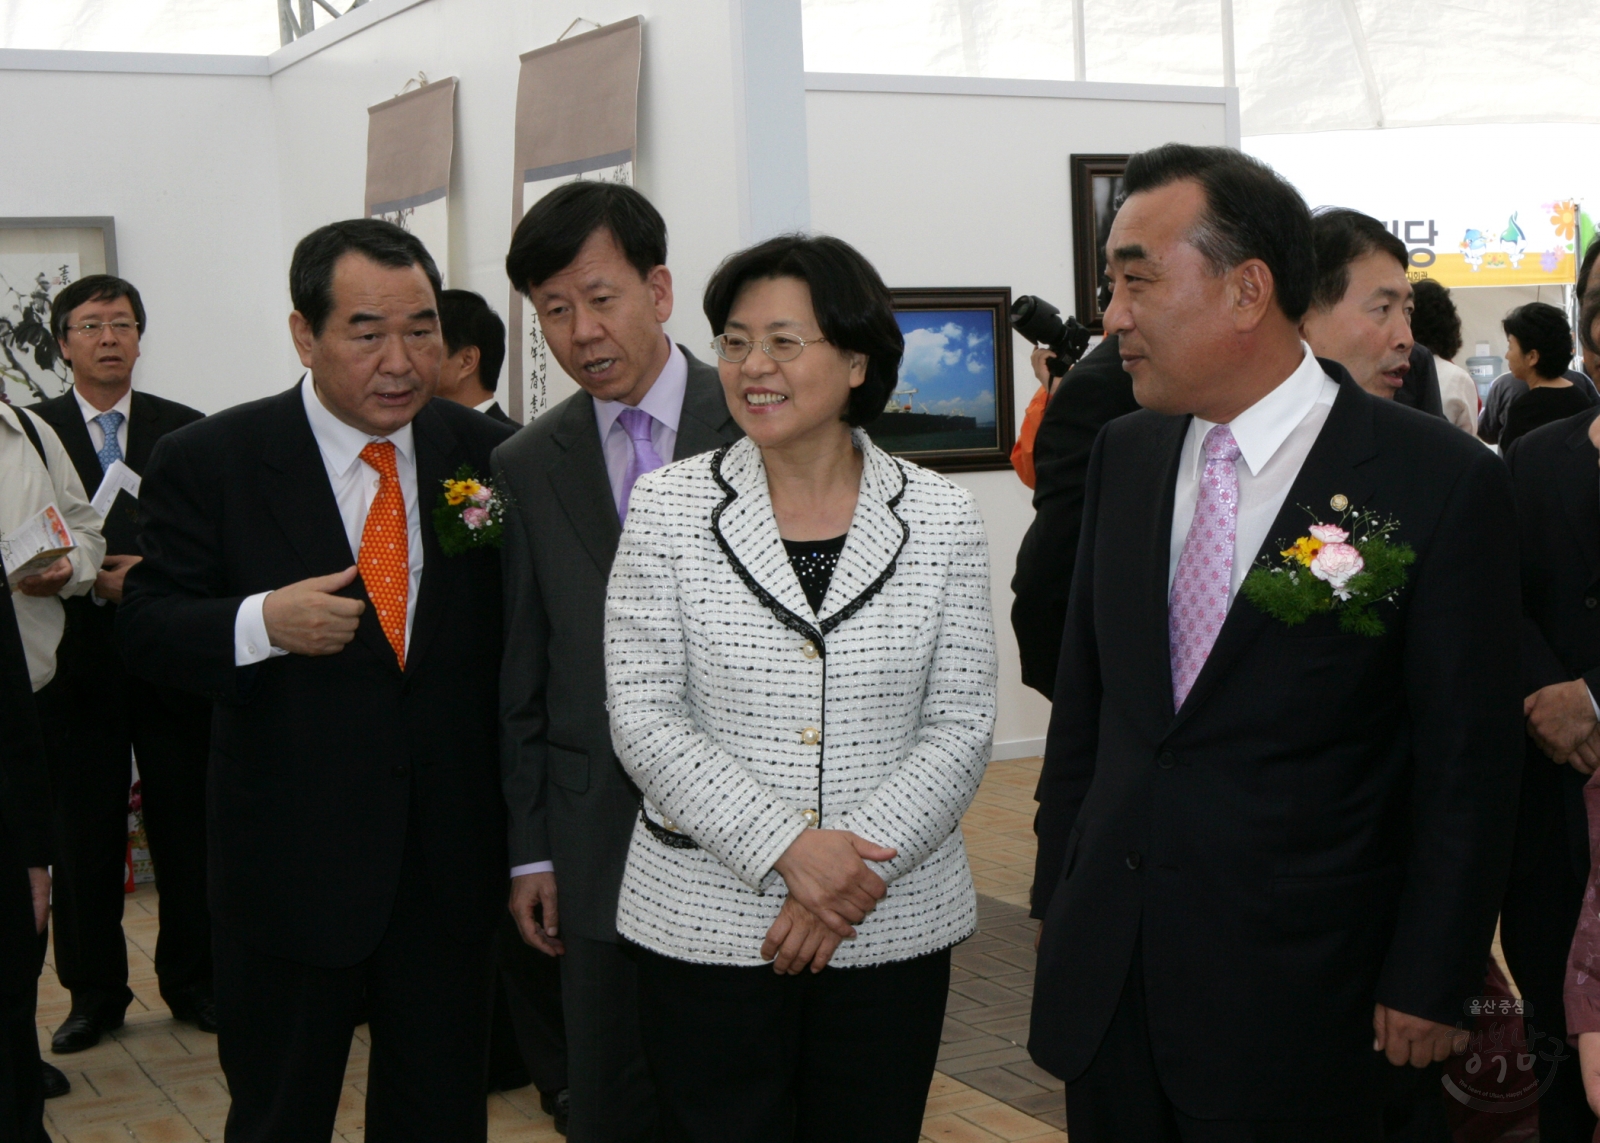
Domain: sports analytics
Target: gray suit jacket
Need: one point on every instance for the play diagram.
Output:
(569, 800)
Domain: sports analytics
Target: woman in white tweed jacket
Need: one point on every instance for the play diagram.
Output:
(801, 673)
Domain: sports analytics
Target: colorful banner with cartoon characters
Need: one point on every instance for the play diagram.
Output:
(1534, 244)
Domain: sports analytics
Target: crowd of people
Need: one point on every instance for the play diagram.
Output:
(625, 753)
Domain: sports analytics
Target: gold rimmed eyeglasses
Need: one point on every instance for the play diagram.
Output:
(779, 346)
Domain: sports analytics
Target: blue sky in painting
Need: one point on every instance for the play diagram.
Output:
(949, 360)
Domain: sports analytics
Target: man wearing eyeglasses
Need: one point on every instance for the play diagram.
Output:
(591, 257)
(108, 428)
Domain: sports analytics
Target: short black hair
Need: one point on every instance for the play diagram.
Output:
(553, 231)
(1587, 267)
(1540, 326)
(1435, 324)
(1251, 212)
(1341, 236)
(853, 307)
(466, 319)
(93, 288)
(1588, 314)
(315, 255)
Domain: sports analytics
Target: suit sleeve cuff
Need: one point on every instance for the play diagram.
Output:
(250, 642)
(533, 867)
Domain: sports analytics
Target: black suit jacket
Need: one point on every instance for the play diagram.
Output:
(1094, 391)
(568, 798)
(324, 769)
(1556, 472)
(24, 808)
(87, 644)
(1326, 822)
(495, 413)
(1420, 389)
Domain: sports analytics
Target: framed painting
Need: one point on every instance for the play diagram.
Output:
(1096, 194)
(951, 410)
(38, 256)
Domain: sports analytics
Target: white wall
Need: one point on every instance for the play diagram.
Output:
(970, 190)
(686, 124)
(185, 166)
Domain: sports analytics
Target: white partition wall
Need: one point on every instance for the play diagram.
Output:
(963, 182)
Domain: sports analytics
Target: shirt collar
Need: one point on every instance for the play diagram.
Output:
(341, 444)
(664, 401)
(124, 406)
(485, 406)
(1261, 429)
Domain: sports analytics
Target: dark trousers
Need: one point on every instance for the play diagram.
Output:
(286, 1027)
(745, 1055)
(1120, 1098)
(614, 1099)
(21, 1084)
(98, 717)
(529, 1029)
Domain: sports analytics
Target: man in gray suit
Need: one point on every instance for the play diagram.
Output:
(591, 258)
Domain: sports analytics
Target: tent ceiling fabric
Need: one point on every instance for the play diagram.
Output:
(1301, 65)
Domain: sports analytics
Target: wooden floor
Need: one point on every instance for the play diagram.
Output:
(157, 1081)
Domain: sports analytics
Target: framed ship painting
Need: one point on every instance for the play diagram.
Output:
(951, 410)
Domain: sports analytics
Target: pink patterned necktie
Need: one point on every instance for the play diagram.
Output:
(1205, 569)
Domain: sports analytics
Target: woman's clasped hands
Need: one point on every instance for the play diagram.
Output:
(831, 890)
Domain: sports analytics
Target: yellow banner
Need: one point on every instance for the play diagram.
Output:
(1496, 269)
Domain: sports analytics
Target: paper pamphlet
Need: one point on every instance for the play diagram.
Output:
(117, 478)
(35, 544)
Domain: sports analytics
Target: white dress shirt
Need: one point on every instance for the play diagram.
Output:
(354, 484)
(485, 406)
(97, 435)
(664, 403)
(1274, 437)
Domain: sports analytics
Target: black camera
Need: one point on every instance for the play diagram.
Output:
(1040, 322)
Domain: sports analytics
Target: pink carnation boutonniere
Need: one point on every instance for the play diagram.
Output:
(470, 514)
(1349, 568)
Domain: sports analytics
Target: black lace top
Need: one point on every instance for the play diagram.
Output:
(814, 561)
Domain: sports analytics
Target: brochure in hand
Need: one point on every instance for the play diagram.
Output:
(35, 544)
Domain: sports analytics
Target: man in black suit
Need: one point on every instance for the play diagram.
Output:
(1557, 481)
(591, 257)
(1094, 391)
(1264, 849)
(475, 349)
(294, 574)
(24, 886)
(106, 715)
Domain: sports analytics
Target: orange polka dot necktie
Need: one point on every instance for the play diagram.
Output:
(384, 561)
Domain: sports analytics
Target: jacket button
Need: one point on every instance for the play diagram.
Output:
(1167, 760)
(1133, 859)
(808, 649)
(810, 736)
(811, 818)
(1591, 603)
(401, 770)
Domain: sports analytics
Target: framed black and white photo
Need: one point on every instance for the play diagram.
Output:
(1096, 193)
(951, 410)
(39, 256)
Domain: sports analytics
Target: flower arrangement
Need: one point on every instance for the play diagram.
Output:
(1349, 567)
(470, 514)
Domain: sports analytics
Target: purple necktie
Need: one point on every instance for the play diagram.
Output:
(636, 423)
(1205, 569)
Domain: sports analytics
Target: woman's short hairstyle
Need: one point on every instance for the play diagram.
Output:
(853, 307)
(1435, 324)
(1540, 326)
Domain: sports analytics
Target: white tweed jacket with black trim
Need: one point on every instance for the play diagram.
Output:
(738, 711)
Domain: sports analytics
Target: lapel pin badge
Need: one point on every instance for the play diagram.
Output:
(1339, 502)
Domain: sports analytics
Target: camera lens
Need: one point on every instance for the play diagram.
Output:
(1037, 320)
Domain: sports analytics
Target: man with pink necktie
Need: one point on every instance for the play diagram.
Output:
(1270, 852)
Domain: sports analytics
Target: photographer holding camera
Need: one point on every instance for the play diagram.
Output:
(1079, 404)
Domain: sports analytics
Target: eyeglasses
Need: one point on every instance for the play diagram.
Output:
(780, 346)
(120, 328)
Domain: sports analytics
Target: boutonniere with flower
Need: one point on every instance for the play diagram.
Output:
(470, 514)
(1348, 567)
